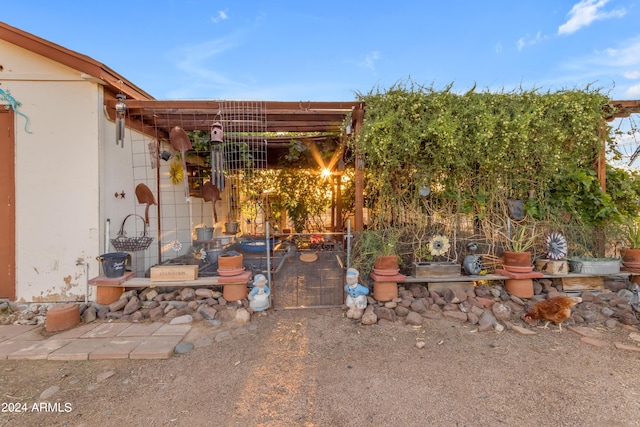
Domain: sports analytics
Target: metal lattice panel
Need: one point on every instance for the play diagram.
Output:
(244, 147)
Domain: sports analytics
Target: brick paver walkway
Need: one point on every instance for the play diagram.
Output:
(92, 341)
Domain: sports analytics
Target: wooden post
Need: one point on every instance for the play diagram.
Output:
(357, 117)
(601, 163)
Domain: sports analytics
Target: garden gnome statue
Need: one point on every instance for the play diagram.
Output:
(356, 295)
(259, 296)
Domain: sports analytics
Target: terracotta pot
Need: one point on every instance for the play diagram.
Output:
(230, 262)
(62, 317)
(386, 272)
(385, 291)
(518, 269)
(517, 259)
(630, 255)
(386, 262)
(521, 288)
(107, 294)
(235, 292)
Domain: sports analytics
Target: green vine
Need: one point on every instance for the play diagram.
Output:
(425, 149)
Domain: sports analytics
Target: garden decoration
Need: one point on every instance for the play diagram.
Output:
(439, 245)
(556, 246)
(145, 197)
(211, 193)
(516, 209)
(356, 295)
(5, 95)
(259, 297)
(176, 246)
(180, 141)
(472, 263)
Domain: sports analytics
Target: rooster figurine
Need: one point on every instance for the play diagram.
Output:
(555, 310)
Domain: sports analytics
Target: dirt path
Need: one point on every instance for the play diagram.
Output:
(317, 368)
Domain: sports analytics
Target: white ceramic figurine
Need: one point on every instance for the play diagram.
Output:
(356, 295)
(259, 296)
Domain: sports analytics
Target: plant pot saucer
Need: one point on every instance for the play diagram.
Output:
(386, 272)
(230, 271)
(518, 269)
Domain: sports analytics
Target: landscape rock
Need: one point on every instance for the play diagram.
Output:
(414, 318)
(181, 320)
(183, 348)
(46, 394)
(242, 316)
(132, 305)
(118, 305)
(89, 315)
(204, 293)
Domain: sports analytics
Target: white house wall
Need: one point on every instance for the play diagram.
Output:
(68, 172)
(57, 176)
(124, 167)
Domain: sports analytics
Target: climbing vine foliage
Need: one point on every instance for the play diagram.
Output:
(426, 150)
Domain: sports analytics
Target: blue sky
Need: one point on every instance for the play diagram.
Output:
(330, 50)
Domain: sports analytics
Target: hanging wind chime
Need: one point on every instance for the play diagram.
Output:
(217, 171)
(121, 111)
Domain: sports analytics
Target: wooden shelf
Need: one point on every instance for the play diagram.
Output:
(474, 278)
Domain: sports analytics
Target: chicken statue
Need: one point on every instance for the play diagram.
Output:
(557, 310)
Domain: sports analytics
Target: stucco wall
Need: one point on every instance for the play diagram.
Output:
(57, 176)
(68, 172)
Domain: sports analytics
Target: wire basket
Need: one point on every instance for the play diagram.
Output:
(132, 244)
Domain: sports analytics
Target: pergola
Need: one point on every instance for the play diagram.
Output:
(314, 120)
(280, 120)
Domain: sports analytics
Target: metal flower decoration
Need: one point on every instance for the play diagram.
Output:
(200, 255)
(556, 247)
(176, 246)
(438, 245)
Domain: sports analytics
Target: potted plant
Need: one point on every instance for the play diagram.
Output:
(518, 242)
(375, 251)
(631, 253)
(386, 261)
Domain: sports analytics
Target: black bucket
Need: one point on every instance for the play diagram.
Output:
(113, 263)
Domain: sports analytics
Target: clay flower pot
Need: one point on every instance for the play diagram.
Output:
(230, 264)
(521, 288)
(516, 259)
(630, 256)
(385, 291)
(386, 265)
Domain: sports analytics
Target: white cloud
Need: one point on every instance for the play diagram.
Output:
(370, 60)
(195, 60)
(585, 12)
(633, 92)
(632, 75)
(499, 47)
(628, 55)
(530, 41)
(220, 16)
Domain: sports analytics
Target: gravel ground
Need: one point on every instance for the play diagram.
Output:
(318, 368)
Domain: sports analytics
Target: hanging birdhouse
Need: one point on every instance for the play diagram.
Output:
(216, 132)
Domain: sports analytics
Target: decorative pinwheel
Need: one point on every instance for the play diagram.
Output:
(556, 246)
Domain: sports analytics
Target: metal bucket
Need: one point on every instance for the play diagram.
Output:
(113, 264)
(204, 233)
(231, 227)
